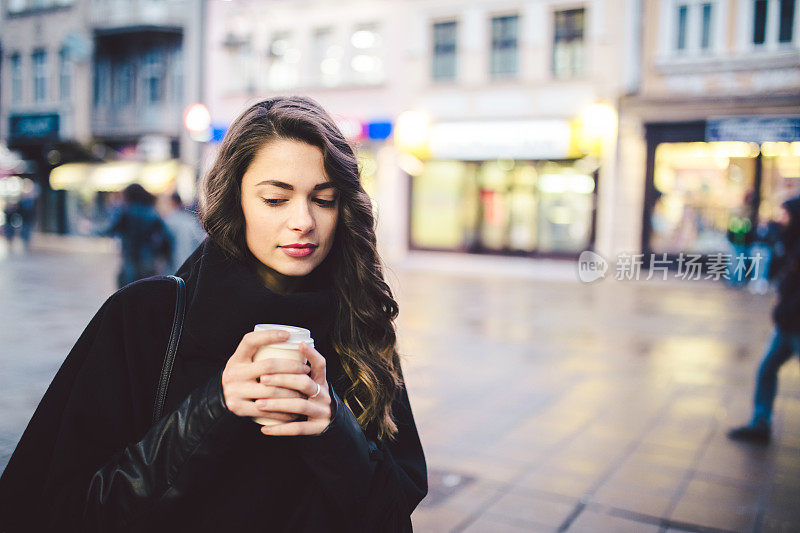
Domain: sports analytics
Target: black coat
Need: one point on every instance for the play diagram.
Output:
(92, 460)
(786, 313)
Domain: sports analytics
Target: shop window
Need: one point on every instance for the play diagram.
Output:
(780, 177)
(366, 62)
(566, 203)
(504, 46)
(16, 78)
(786, 28)
(759, 21)
(368, 171)
(439, 205)
(444, 50)
(569, 48)
(39, 62)
(701, 188)
(503, 206)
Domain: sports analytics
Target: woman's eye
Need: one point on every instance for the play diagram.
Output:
(273, 201)
(325, 203)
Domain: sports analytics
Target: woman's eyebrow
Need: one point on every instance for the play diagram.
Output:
(288, 187)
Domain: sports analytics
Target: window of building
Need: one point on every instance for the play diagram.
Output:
(15, 6)
(502, 206)
(569, 48)
(177, 75)
(64, 75)
(102, 78)
(366, 62)
(705, 38)
(284, 62)
(123, 84)
(39, 61)
(153, 75)
(444, 50)
(16, 78)
(683, 15)
(787, 21)
(328, 55)
(504, 46)
(759, 21)
(702, 189)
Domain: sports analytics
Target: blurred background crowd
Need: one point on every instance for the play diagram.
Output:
(536, 128)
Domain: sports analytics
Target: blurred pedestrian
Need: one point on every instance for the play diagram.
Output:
(786, 337)
(767, 250)
(185, 231)
(27, 211)
(146, 245)
(12, 221)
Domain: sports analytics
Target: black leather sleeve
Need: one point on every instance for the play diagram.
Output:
(172, 456)
(376, 484)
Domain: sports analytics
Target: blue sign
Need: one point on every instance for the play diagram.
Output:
(379, 130)
(754, 129)
(218, 132)
(33, 128)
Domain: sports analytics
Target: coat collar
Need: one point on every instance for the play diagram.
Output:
(226, 299)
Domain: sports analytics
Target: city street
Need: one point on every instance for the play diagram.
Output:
(543, 404)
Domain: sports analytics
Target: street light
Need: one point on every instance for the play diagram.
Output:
(197, 120)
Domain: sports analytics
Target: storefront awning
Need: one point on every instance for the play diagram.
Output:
(115, 176)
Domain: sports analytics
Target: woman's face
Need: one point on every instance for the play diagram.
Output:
(290, 207)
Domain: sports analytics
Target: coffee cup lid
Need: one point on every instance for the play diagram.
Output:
(296, 334)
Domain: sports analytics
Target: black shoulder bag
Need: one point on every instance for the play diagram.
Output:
(172, 347)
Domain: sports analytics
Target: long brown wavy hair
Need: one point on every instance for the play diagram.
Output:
(363, 331)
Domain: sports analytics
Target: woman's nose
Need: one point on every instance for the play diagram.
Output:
(302, 219)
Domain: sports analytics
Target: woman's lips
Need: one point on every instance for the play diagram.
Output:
(295, 251)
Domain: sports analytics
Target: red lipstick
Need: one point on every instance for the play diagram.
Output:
(299, 249)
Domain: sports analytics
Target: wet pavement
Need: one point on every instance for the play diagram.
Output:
(543, 404)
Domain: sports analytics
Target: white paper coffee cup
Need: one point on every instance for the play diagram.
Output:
(289, 349)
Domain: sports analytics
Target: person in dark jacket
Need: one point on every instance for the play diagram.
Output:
(145, 239)
(786, 337)
(291, 241)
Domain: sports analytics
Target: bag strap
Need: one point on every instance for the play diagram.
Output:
(172, 347)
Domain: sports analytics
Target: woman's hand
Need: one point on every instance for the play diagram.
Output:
(315, 402)
(240, 386)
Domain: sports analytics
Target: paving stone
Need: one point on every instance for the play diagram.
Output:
(495, 524)
(594, 522)
(529, 507)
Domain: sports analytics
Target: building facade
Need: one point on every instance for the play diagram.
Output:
(519, 101)
(710, 139)
(502, 115)
(97, 81)
(346, 55)
(45, 106)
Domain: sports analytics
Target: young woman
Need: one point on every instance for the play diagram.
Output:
(291, 241)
